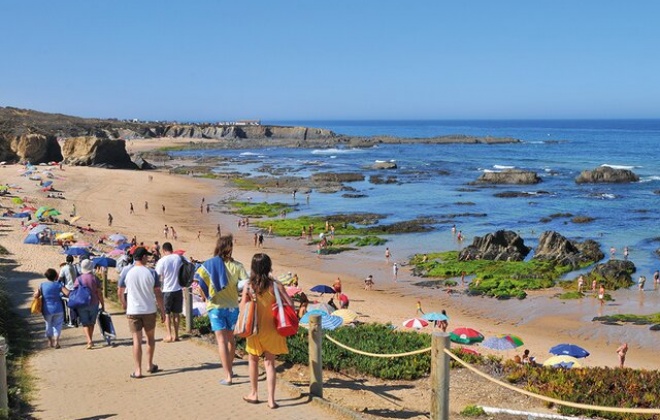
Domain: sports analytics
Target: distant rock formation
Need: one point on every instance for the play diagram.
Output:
(555, 247)
(509, 176)
(36, 148)
(503, 245)
(92, 151)
(384, 165)
(606, 174)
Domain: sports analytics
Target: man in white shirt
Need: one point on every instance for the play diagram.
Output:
(168, 270)
(142, 300)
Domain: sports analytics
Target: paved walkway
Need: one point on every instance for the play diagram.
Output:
(75, 383)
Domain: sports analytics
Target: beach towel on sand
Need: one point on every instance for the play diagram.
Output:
(211, 276)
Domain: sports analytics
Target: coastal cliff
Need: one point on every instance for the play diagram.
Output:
(42, 137)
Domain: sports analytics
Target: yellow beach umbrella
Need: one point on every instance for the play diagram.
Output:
(75, 219)
(64, 236)
(347, 315)
(562, 360)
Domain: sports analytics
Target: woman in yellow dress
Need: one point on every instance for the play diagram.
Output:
(267, 341)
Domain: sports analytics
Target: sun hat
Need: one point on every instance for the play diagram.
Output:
(86, 266)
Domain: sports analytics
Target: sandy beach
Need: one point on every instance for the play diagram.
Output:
(540, 320)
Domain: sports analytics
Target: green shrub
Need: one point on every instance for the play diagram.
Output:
(250, 209)
(473, 411)
(571, 295)
(202, 324)
(371, 338)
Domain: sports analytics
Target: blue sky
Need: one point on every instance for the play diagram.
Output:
(364, 59)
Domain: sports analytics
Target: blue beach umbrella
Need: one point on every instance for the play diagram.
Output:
(498, 343)
(104, 262)
(435, 316)
(322, 288)
(331, 322)
(123, 245)
(569, 350)
(305, 318)
(76, 251)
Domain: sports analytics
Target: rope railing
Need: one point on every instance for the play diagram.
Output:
(364, 353)
(550, 399)
(503, 384)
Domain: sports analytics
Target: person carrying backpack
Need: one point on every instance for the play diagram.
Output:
(87, 314)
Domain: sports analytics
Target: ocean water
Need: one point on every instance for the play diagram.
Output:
(433, 181)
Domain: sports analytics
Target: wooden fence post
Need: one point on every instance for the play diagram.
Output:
(439, 377)
(188, 309)
(105, 282)
(4, 401)
(315, 337)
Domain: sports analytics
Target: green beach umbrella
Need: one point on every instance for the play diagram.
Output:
(17, 200)
(514, 339)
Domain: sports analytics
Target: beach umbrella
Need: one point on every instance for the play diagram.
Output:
(81, 244)
(28, 208)
(116, 252)
(64, 236)
(562, 361)
(331, 322)
(17, 200)
(321, 306)
(435, 316)
(104, 262)
(466, 336)
(293, 290)
(45, 211)
(75, 219)
(415, 323)
(466, 350)
(305, 318)
(285, 278)
(322, 288)
(179, 251)
(498, 343)
(76, 251)
(346, 314)
(47, 184)
(517, 341)
(123, 246)
(569, 350)
(117, 237)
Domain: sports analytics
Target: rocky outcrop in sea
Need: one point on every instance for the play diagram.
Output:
(503, 245)
(606, 174)
(509, 176)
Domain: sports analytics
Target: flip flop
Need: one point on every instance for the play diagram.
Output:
(250, 401)
(153, 369)
(134, 376)
(225, 382)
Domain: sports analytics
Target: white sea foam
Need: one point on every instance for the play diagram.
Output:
(503, 167)
(383, 161)
(334, 151)
(619, 166)
(650, 178)
(249, 154)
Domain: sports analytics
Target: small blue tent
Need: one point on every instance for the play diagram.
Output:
(32, 236)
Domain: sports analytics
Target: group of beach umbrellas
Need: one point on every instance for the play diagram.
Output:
(330, 318)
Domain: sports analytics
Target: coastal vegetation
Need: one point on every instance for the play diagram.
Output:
(19, 383)
(264, 209)
(499, 279)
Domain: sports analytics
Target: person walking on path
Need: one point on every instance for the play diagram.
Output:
(222, 300)
(141, 302)
(419, 308)
(167, 269)
(621, 351)
(87, 314)
(267, 341)
(51, 306)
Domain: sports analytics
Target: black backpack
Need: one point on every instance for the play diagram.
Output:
(186, 272)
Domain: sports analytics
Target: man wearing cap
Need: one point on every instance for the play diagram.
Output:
(68, 275)
(87, 314)
(168, 270)
(142, 301)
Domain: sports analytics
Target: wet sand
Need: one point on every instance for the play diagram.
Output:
(541, 320)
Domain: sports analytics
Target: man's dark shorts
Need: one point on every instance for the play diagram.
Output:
(173, 302)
